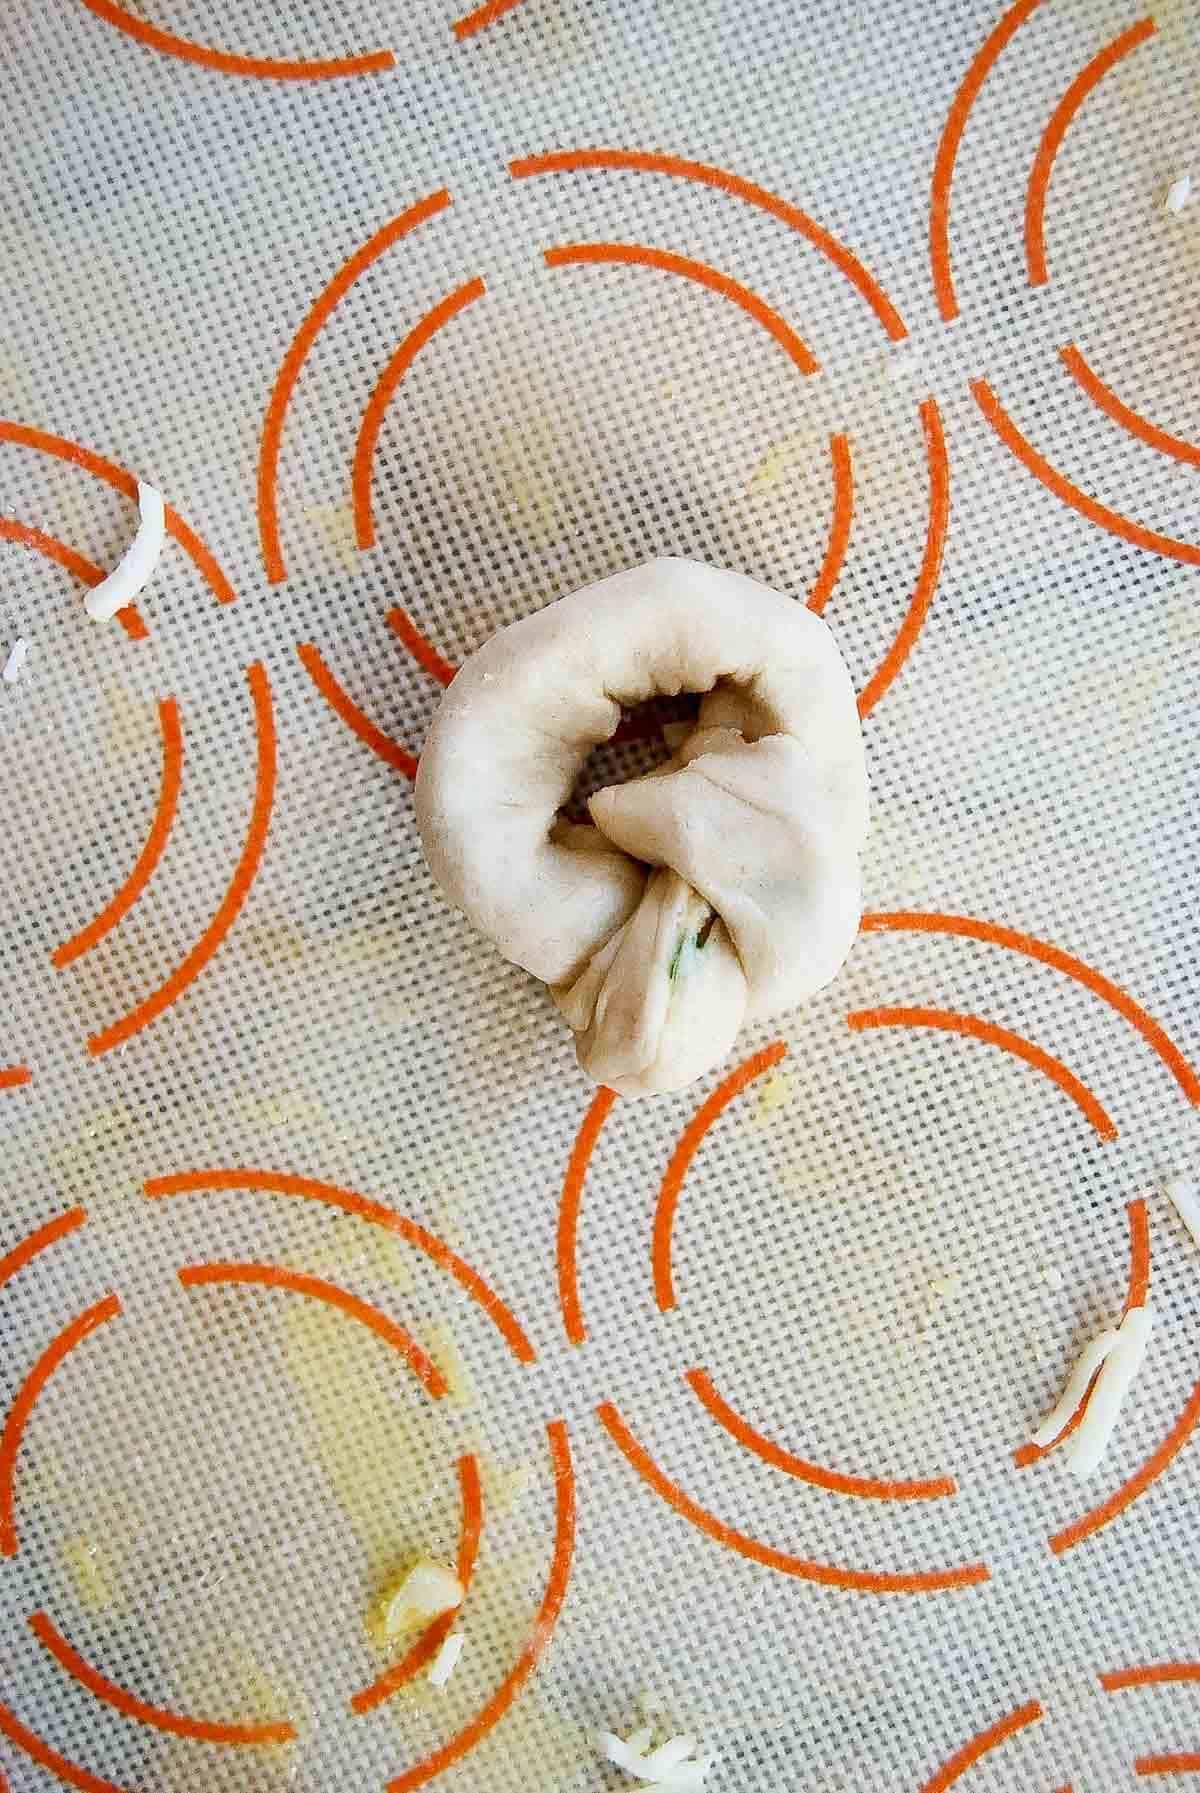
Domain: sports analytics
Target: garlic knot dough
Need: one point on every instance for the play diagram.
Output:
(721, 888)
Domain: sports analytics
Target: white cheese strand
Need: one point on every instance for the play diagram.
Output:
(136, 564)
(668, 1767)
(1178, 194)
(1117, 1373)
(1086, 1365)
(1184, 1194)
(446, 1660)
(15, 664)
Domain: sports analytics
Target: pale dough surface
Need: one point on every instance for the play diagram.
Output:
(721, 888)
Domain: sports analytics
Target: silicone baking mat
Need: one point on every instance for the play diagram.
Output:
(316, 1249)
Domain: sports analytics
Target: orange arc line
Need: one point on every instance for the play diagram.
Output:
(829, 1575)
(384, 391)
(839, 523)
(293, 361)
(922, 922)
(45, 1757)
(987, 1740)
(977, 73)
(1059, 124)
(1138, 1288)
(15, 1076)
(1188, 1763)
(421, 649)
(65, 450)
(938, 463)
(865, 1487)
(151, 853)
(59, 1348)
(40, 1240)
(1139, 1254)
(1155, 1465)
(568, 1213)
(239, 887)
(178, 1724)
(570, 161)
(975, 1028)
(1152, 1675)
(485, 15)
(432, 1638)
(343, 705)
(272, 1182)
(1070, 494)
(226, 62)
(86, 571)
(1121, 413)
(638, 255)
(681, 1159)
(543, 1627)
(275, 1276)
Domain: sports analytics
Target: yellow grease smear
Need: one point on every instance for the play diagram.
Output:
(349, 1243)
(377, 1438)
(92, 1570)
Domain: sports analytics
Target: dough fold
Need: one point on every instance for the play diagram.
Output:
(719, 889)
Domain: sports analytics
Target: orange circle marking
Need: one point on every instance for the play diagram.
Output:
(343, 705)
(62, 449)
(15, 1076)
(828, 1574)
(433, 1637)
(1070, 494)
(86, 571)
(178, 1724)
(422, 650)
(290, 367)
(151, 853)
(839, 524)
(26, 1398)
(1155, 1465)
(893, 661)
(1152, 1675)
(916, 921)
(275, 1276)
(225, 62)
(45, 1757)
(239, 887)
(975, 1028)
(383, 392)
(979, 1745)
(590, 1129)
(977, 73)
(39, 1241)
(190, 1182)
(1139, 1284)
(639, 255)
(570, 161)
(864, 1487)
(543, 1627)
(1059, 124)
(680, 1163)
(485, 15)
(1129, 419)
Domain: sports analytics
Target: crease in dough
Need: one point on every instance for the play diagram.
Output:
(721, 888)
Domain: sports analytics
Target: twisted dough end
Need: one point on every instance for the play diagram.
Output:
(722, 887)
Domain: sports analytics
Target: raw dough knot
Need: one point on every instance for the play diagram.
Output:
(722, 887)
